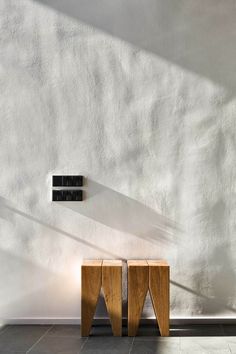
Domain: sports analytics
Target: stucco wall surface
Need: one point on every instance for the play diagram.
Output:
(139, 97)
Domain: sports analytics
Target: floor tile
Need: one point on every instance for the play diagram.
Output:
(203, 344)
(20, 338)
(196, 331)
(105, 331)
(148, 331)
(56, 345)
(155, 347)
(229, 330)
(182, 331)
(77, 351)
(11, 352)
(65, 339)
(232, 343)
(2, 329)
(206, 351)
(64, 331)
(174, 340)
(230, 339)
(107, 345)
(7, 352)
(101, 331)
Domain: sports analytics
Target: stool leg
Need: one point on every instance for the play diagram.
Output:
(137, 291)
(112, 285)
(159, 290)
(91, 285)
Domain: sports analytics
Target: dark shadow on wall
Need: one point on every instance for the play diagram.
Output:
(124, 214)
(216, 303)
(196, 35)
(7, 211)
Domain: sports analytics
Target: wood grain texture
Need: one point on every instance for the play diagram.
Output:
(112, 290)
(159, 279)
(137, 291)
(91, 281)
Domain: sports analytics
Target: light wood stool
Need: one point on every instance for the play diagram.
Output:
(143, 276)
(105, 274)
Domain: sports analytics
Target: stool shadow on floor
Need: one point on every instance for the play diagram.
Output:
(151, 331)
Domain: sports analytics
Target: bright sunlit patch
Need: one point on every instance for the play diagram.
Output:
(77, 272)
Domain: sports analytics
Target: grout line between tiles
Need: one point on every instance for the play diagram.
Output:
(230, 351)
(39, 340)
(131, 347)
(4, 330)
(64, 336)
(83, 344)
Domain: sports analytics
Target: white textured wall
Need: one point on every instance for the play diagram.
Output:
(139, 97)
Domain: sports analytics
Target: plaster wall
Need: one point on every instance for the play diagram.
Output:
(139, 97)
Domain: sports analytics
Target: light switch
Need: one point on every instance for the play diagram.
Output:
(57, 196)
(57, 181)
(67, 181)
(67, 195)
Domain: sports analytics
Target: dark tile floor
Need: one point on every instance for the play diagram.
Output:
(64, 339)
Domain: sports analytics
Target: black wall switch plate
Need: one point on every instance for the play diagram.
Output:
(67, 181)
(57, 196)
(78, 181)
(57, 181)
(67, 195)
(78, 196)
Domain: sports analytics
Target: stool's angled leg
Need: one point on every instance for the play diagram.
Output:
(159, 290)
(137, 291)
(112, 289)
(91, 285)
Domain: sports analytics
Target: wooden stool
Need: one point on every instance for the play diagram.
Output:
(143, 276)
(97, 274)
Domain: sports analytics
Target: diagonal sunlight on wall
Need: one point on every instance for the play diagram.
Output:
(197, 36)
(155, 128)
